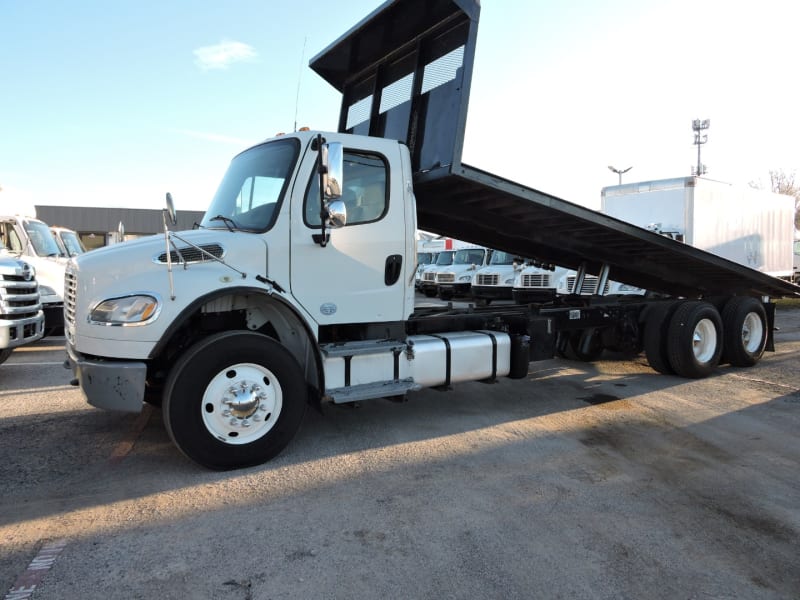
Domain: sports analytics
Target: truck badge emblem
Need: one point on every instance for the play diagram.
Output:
(328, 309)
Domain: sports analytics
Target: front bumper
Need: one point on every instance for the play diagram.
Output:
(107, 384)
(456, 289)
(491, 292)
(21, 331)
(528, 295)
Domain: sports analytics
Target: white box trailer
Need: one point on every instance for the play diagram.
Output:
(749, 226)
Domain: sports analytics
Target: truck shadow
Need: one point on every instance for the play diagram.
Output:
(105, 457)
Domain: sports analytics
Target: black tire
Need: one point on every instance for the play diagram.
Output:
(429, 293)
(4, 354)
(744, 322)
(694, 339)
(445, 295)
(198, 393)
(656, 324)
(593, 341)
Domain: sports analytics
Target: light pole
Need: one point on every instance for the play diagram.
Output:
(619, 172)
(699, 139)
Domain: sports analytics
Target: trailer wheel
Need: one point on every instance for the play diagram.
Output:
(694, 339)
(4, 354)
(744, 323)
(656, 325)
(234, 399)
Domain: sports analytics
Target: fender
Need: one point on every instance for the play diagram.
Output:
(276, 297)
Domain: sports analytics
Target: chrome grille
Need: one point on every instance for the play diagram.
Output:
(190, 254)
(487, 279)
(70, 293)
(428, 276)
(589, 285)
(19, 298)
(536, 280)
(446, 278)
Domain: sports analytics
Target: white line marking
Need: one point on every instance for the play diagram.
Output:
(25, 585)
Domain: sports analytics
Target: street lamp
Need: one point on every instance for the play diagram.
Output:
(699, 139)
(619, 172)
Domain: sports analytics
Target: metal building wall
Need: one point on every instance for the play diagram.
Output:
(137, 221)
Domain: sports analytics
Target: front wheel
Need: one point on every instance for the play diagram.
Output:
(234, 399)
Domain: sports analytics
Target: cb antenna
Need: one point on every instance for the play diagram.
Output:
(299, 77)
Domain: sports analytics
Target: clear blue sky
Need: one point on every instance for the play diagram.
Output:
(115, 103)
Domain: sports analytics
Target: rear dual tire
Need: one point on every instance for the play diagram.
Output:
(683, 338)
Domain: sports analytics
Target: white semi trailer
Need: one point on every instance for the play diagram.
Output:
(749, 226)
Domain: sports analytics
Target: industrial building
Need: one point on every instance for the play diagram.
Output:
(99, 226)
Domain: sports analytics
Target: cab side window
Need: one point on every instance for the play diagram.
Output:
(365, 192)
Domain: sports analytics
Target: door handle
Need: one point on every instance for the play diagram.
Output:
(391, 274)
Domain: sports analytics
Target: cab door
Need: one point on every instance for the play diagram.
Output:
(361, 275)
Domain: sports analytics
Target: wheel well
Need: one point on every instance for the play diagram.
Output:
(246, 310)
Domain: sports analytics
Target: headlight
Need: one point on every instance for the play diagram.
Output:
(46, 290)
(624, 287)
(510, 281)
(465, 278)
(130, 310)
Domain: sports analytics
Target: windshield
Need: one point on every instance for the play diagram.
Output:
(424, 258)
(502, 258)
(445, 258)
(41, 239)
(71, 241)
(251, 191)
(469, 257)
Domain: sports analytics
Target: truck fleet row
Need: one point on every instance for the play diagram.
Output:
(298, 288)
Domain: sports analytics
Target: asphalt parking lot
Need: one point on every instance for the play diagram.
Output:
(598, 480)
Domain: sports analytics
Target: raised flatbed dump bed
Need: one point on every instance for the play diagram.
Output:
(405, 73)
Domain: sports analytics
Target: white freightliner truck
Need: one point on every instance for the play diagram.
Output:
(31, 240)
(298, 287)
(496, 280)
(539, 284)
(455, 279)
(21, 317)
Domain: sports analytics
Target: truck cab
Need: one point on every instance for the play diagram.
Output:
(427, 284)
(68, 241)
(496, 281)
(455, 279)
(30, 240)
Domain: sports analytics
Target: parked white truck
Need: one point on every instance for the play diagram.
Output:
(496, 280)
(31, 240)
(298, 287)
(537, 283)
(455, 279)
(21, 317)
(749, 226)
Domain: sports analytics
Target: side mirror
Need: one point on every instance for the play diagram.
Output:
(337, 214)
(333, 170)
(170, 210)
